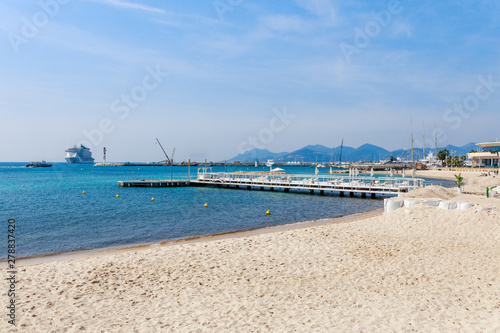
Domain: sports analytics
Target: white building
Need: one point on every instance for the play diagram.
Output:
(487, 157)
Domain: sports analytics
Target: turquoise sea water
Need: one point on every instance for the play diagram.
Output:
(52, 215)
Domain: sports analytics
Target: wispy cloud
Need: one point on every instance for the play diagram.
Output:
(130, 5)
(279, 27)
(285, 23)
(400, 28)
(182, 20)
(321, 8)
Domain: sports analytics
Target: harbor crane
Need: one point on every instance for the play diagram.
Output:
(168, 160)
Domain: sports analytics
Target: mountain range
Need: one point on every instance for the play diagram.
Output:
(366, 152)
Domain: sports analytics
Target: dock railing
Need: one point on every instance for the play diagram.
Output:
(362, 184)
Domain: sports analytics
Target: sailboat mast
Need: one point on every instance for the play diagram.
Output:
(423, 140)
(341, 146)
(435, 141)
(412, 161)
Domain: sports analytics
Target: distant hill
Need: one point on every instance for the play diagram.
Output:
(256, 154)
(319, 148)
(367, 152)
(320, 153)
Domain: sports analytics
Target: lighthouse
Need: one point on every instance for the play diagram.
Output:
(104, 155)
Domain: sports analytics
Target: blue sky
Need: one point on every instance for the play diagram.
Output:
(212, 78)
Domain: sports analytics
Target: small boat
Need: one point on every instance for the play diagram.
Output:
(318, 165)
(41, 164)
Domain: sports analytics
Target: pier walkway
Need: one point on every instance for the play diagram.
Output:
(286, 182)
(156, 183)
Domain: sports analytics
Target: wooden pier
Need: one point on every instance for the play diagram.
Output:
(312, 184)
(155, 183)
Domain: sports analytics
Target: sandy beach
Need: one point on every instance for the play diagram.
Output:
(417, 269)
(474, 182)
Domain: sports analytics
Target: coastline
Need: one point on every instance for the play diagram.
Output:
(419, 268)
(32, 260)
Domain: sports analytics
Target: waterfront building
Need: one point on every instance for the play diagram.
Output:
(487, 157)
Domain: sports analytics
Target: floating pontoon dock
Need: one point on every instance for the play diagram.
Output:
(286, 182)
(156, 183)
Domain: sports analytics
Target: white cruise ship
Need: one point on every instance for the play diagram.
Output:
(79, 155)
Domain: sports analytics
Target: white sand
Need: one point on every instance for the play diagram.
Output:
(416, 269)
(474, 181)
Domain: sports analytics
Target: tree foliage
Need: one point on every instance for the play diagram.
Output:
(442, 155)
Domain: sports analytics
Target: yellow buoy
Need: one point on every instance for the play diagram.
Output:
(268, 212)
(139, 169)
(81, 169)
(132, 172)
(117, 196)
(83, 192)
(205, 205)
(152, 199)
(23, 185)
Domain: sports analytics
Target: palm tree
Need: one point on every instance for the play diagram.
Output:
(463, 158)
(442, 155)
(449, 161)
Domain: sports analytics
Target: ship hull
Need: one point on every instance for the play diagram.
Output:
(38, 165)
(76, 160)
